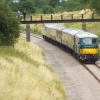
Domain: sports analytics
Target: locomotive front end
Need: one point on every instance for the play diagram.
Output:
(89, 49)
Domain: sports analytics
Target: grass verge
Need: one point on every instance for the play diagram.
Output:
(25, 74)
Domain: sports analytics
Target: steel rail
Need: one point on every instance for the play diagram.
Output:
(91, 73)
(37, 36)
(97, 66)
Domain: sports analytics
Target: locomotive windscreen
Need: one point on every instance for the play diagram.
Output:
(88, 41)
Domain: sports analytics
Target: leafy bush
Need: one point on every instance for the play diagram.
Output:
(9, 25)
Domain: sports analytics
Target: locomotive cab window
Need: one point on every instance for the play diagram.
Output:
(93, 41)
(88, 41)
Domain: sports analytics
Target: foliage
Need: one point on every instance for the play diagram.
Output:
(95, 5)
(53, 3)
(48, 10)
(70, 5)
(9, 25)
(59, 8)
(40, 3)
(15, 6)
(37, 6)
(28, 5)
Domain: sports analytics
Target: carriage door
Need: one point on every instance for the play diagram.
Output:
(59, 36)
(77, 45)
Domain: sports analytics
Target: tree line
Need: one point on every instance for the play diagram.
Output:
(53, 6)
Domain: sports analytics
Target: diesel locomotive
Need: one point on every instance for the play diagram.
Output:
(83, 45)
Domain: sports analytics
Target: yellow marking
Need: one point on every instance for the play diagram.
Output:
(89, 51)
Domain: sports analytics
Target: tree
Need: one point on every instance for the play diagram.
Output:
(71, 5)
(15, 6)
(40, 3)
(53, 3)
(28, 5)
(59, 9)
(9, 25)
(48, 10)
(95, 5)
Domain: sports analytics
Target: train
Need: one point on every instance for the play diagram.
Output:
(81, 44)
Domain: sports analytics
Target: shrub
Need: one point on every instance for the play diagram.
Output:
(9, 25)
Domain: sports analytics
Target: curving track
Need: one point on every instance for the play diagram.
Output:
(94, 70)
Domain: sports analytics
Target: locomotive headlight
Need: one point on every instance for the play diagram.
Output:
(89, 51)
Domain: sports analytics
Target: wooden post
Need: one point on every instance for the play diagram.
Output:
(51, 17)
(28, 32)
(84, 26)
(72, 16)
(31, 18)
(41, 17)
(82, 16)
(61, 17)
(92, 16)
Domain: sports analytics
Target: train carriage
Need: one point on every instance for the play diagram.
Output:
(59, 33)
(82, 44)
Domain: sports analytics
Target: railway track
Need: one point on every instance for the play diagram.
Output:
(37, 36)
(34, 35)
(94, 70)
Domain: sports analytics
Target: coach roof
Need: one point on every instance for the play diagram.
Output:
(86, 35)
(71, 31)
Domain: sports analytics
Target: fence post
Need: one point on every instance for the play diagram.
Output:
(28, 32)
(92, 16)
(72, 16)
(61, 17)
(31, 18)
(41, 17)
(51, 17)
(82, 16)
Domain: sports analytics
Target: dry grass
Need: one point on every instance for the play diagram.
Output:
(66, 15)
(25, 74)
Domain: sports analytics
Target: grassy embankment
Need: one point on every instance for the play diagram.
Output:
(25, 74)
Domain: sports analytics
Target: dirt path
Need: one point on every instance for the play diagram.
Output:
(78, 83)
